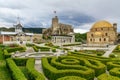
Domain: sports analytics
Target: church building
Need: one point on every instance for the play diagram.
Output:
(18, 36)
(102, 33)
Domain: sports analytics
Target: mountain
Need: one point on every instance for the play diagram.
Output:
(27, 30)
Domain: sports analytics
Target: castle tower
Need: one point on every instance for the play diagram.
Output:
(55, 22)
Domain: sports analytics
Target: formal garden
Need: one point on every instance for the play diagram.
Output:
(76, 65)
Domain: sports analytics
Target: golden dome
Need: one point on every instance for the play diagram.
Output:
(98, 33)
(101, 24)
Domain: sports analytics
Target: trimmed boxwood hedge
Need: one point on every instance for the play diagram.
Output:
(36, 48)
(71, 78)
(10, 50)
(107, 77)
(111, 65)
(33, 74)
(99, 58)
(20, 61)
(7, 52)
(53, 73)
(97, 66)
(72, 44)
(115, 72)
(15, 71)
(70, 61)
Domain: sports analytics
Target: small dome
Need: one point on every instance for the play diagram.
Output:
(102, 24)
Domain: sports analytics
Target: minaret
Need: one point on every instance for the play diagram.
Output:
(115, 26)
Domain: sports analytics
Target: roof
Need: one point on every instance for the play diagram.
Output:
(19, 25)
(13, 33)
(8, 33)
(102, 24)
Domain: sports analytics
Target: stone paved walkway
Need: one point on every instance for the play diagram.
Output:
(109, 51)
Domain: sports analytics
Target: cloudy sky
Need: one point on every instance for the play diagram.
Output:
(81, 14)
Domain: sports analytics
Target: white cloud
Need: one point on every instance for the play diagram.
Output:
(42, 10)
(80, 30)
(83, 28)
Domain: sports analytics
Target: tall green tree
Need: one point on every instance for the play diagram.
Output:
(80, 37)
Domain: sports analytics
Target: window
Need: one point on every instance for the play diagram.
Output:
(90, 39)
(101, 28)
(96, 29)
(92, 35)
(104, 39)
(106, 34)
(100, 39)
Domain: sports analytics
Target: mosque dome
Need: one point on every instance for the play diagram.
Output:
(102, 24)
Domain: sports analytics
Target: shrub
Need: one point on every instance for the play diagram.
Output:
(111, 65)
(49, 44)
(33, 74)
(20, 61)
(6, 54)
(115, 72)
(29, 44)
(15, 71)
(72, 44)
(71, 78)
(70, 61)
(107, 77)
(97, 66)
(99, 54)
(10, 50)
(88, 56)
(53, 50)
(112, 56)
(35, 49)
(54, 73)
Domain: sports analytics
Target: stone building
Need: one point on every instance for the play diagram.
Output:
(102, 33)
(18, 36)
(59, 32)
(58, 28)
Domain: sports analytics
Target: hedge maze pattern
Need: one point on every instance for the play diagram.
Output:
(80, 67)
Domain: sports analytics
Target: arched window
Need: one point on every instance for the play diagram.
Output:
(104, 39)
(106, 34)
(95, 29)
(92, 35)
(100, 39)
(90, 39)
(101, 28)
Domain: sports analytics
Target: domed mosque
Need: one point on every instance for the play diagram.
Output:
(102, 33)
